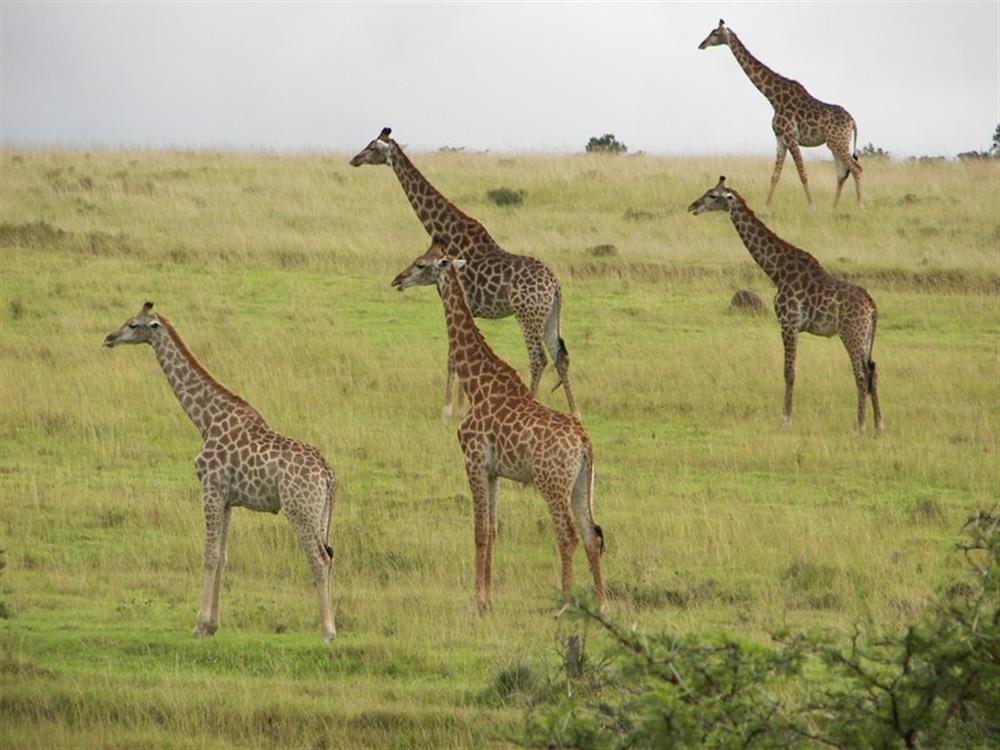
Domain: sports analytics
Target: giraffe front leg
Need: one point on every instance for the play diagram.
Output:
(790, 338)
(492, 497)
(213, 621)
(479, 484)
(779, 162)
(215, 529)
(446, 409)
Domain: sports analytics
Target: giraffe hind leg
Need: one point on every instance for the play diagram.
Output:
(779, 161)
(581, 500)
(306, 509)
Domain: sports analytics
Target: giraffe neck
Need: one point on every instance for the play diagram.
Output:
(777, 258)
(766, 80)
(203, 399)
(481, 372)
(436, 213)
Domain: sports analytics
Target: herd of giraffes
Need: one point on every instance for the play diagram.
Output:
(506, 432)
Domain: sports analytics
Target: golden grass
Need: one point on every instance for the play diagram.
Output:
(275, 270)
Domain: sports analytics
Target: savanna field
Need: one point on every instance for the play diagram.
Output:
(275, 269)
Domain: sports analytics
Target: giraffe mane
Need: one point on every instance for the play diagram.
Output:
(500, 365)
(788, 246)
(451, 205)
(199, 368)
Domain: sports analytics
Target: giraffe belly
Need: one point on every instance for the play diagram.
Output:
(256, 490)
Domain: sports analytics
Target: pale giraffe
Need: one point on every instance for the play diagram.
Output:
(508, 433)
(498, 283)
(799, 119)
(809, 299)
(242, 463)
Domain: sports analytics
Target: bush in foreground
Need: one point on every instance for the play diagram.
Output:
(935, 685)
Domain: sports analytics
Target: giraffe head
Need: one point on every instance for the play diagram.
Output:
(376, 152)
(137, 330)
(720, 35)
(719, 198)
(427, 268)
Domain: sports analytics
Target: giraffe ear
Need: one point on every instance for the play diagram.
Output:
(386, 132)
(457, 263)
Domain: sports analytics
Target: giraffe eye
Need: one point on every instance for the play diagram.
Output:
(133, 325)
(421, 264)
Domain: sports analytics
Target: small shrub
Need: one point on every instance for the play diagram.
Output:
(634, 214)
(606, 144)
(932, 685)
(505, 197)
(973, 155)
(747, 302)
(602, 251)
(871, 151)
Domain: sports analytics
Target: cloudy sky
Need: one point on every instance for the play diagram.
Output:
(919, 77)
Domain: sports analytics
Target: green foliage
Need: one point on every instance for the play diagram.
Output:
(606, 144)
(871, 151)
(937, 684)
(5, 611)
(995, 148)
(505, 197)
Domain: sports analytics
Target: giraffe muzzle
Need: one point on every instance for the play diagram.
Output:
(109, 341)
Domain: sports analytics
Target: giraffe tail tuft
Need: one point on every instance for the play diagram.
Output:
(561, 356)
(871, 375)
(329, 550)
(600, 535)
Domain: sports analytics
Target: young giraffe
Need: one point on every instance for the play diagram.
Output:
(497, 283)
(799, 118)
(508, 433)
(809, 299)
(242, 463)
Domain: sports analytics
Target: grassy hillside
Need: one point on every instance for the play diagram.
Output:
(276, 271)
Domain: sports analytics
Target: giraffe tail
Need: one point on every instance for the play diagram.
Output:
(331, 492)
(561, 356)
(871, 345)
(854, 153)
(583, 494)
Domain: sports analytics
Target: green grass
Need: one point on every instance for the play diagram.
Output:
(276, 271)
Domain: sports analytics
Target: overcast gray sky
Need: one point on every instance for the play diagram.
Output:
(919, 77)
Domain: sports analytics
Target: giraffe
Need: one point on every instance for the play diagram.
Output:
(242, 463)
(809, 299)
(508, 433)
(498, 283)
(799, 118)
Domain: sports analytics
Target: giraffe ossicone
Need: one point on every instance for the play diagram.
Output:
(808, 299)
(242, 463)
(497, 283)
(508, 434)
(800, 119)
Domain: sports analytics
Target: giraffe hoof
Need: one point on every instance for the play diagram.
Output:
(329, 635)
